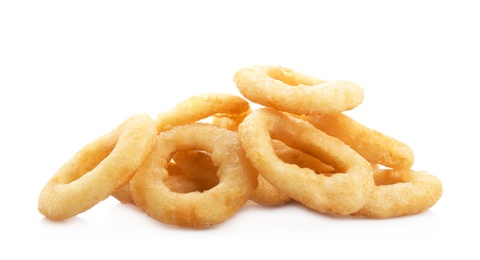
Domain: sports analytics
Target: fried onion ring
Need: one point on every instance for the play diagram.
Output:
(341, 194)
(190, 110)
(294, 92)
(238, 179)
(375, 146)
(124, 195)
(203, 106)
(266, 194)
(199, 166)
(401, 192)
(181, 179)
(98, 169)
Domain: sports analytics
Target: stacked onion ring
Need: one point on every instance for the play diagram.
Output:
(198, 163)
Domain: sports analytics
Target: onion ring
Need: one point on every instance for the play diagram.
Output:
(400, 193)
(227, 122)
(266, 194)
(375, 146)
(202, 106)
(183, 183)
(199, 166)
(124, 195)
(238, 179)
(180, 179)
(294, 92)
(191, 110)
(98, 169)
(340, 194)
(303, 160)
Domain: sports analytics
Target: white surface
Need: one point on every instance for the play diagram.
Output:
(71, 71)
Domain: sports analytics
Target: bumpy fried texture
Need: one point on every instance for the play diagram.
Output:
(400, 193)
(183, 177)
(230, 123)
(302, 159)
(266, 194)
(195, 108)
(342, 194)
(238, 179)
(200, 107)
(375, 146)
(98, 169)
(294, 92)
(123, 194)
(298, 145)
(183, 183)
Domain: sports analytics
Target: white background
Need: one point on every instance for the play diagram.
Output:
(70, 71)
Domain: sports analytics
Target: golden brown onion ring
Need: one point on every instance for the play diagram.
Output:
(98, 169)
(238, 179)
(266, 194)
(375, 146)
(199, 107)
(400, 193)
(294, 92)
(342, 193)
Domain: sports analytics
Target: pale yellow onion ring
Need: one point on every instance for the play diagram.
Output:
(229, 122)
(375, 146)
(266, 194)
(401, 192)
(342, 193)
(191, 110)
(238, 179)
(98, 169)
(182, 179)
(198, 165)
(294, 92)
(202, 106)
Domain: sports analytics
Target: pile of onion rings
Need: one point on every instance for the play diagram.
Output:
(200, 162)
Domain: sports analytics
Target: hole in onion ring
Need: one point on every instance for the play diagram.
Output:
(292, 78)
(238, 178)
(294, 92)
(191, 171)
(315, 191)
(296, 157)
(388, 177)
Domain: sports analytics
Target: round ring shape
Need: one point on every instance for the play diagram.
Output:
(342, 193)
(375, 146)
(191, 110)
(266, 194)
(182, 179)
(198, 165)
(294, 92)
(200, 107)
(237, 178)
(98, 169)
(401, 192)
